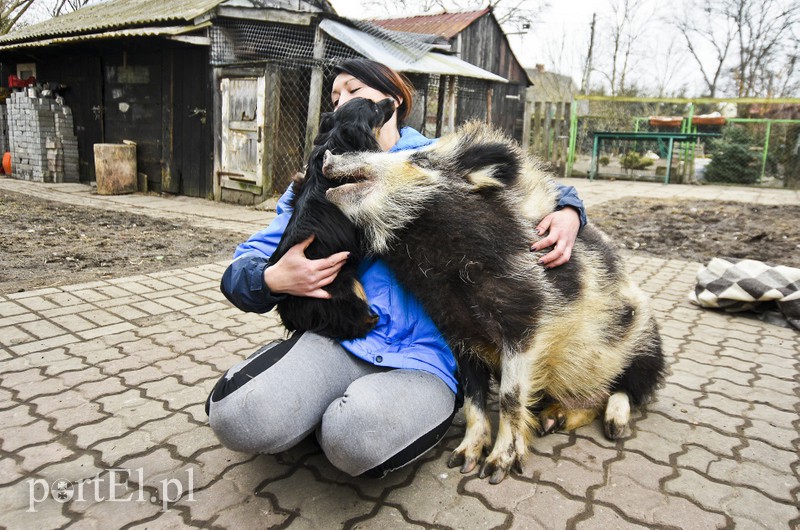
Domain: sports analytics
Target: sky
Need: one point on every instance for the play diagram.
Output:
(560, 41)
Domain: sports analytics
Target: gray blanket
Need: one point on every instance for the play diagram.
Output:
(744, 284)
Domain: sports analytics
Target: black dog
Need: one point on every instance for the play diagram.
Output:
(353, 127)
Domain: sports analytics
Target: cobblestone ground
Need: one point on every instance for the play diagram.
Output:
(103, 386)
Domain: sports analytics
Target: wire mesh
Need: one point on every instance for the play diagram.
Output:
(755, 146)
(290, 51)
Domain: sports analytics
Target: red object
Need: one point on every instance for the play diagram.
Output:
(16, 82)
(7, 163)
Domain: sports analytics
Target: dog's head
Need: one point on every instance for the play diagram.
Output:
(354, 126)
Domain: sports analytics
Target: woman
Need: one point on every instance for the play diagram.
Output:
(375, 403)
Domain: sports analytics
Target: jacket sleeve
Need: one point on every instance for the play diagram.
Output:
(569, 197)
(243, 281)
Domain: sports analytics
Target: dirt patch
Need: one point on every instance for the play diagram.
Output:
(47, 244)
(693, 230)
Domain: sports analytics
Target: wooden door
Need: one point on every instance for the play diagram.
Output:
(242, 149)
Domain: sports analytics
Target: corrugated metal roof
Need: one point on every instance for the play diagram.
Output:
(114, 34)
(447, 25)
(393, 56)
(113, 15)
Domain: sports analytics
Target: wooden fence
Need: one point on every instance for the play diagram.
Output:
(547, 130)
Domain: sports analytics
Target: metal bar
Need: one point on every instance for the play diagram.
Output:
(623, 99)
(593, 166)
(766, 153)
(573, 138)
(669, 161)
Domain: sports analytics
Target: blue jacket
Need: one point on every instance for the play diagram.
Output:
(404, 337)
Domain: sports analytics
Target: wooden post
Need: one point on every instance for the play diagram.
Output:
(272, 113)
(314, 94)
(168, 183)
(216, 77)
(451, 103)
(489, 94)
(536, 135)
(546, 141)
(440, 105)
(559, 117)
(526, 122)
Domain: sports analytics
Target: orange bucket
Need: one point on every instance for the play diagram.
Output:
(7, 163)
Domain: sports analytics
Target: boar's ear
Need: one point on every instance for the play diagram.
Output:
(488, 165)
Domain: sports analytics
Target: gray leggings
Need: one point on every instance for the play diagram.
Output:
(369, 420)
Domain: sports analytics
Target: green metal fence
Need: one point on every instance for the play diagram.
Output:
(750, 141)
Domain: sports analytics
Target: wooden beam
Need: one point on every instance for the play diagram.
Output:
(314, 94)
(440, 105)
(168, 182)
(265, 15)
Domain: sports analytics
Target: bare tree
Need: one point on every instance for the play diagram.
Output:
(10, 13)
(627, 26)
(62, 7)
(762, 31)
(705, 30)
(751, 41)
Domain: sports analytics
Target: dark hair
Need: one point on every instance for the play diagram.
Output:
(381, 77)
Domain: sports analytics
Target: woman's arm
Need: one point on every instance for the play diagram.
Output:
(252, 285)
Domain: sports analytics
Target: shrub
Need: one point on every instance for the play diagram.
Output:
(732, 159)
(632, 160)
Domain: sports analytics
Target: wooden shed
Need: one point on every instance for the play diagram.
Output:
(222, 97)
(477, 38)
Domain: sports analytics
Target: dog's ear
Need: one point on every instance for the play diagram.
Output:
(487, 166)
(326, 123)
(387, 107)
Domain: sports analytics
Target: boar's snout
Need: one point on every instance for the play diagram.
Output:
(327, 164)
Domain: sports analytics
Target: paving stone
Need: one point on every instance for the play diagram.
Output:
(168, 426)
(15, 417)
(44, 345)
(143, 375)
(9, 472)
(545, 508)
(103, 387)
(742, 504)
(776, 484)
(11, 335)
(151, 308)
(118, 449)
(116, 303)
(113, 329)
(25, 435)
(768, 456)
(88, 435)
(73, 322)
(256, 512)
(8, 308)
(633, 486)
(84, 375)
(320, 504)
(36, 303)
(603, 517)
(54, 368)
(40, 456)
(17, 319)
(779, 436)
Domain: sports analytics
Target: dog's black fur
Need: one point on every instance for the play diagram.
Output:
(353, 127)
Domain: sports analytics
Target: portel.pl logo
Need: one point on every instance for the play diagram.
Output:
(111, 486)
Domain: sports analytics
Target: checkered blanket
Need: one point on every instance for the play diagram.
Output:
(745, 284)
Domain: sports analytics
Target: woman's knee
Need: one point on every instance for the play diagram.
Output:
(374, 428)
(253, 426)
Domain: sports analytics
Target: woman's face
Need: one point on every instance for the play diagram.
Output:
(347, 87)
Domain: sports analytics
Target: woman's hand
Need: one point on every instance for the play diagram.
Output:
(297, 275)
(561, 228)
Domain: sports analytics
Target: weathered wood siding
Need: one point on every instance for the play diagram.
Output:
(143, 92)
(484, 44)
